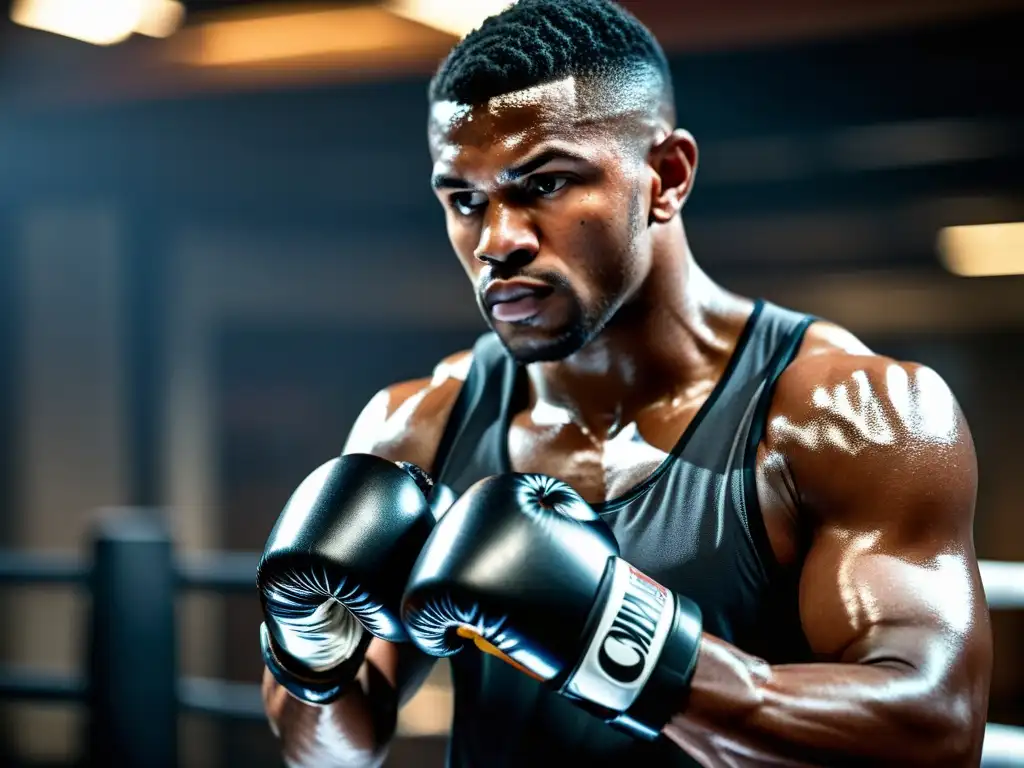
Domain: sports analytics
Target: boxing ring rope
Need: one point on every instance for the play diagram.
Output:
(1004, 584)
(131, 686)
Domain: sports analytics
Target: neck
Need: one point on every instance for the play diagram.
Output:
(673, 336)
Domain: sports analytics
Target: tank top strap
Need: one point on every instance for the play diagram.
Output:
(771, 339)
(767, 345)
(724, 445)
(470, 447)
(784, 335)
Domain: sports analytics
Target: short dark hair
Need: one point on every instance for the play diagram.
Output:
(539, 41)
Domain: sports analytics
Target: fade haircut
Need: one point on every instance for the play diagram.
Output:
(540, 41)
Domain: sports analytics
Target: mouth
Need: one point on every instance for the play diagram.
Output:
(515, 300)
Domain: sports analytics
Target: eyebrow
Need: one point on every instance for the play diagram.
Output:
(517, 172)
(441, 181)
(512, 174)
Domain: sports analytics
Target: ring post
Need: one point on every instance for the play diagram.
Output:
(133, 653)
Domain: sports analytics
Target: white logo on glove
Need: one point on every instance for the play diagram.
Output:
(634, 625)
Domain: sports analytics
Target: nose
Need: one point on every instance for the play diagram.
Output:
(508, 235)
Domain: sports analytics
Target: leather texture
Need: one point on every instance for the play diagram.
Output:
(524, 564)
(518, 560)
(335, 566)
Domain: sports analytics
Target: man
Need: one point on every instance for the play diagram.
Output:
(815, 500)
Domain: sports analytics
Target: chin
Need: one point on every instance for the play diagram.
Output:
(526, 347)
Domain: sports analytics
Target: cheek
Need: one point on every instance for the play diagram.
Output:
(463, 239)
(603, 247)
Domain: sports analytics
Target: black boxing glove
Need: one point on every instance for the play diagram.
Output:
(525, 568)
(332, 573)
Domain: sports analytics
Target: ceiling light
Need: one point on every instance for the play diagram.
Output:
(100, 22)
(983, 250)
(160, 18)
(456, 17)
(260, 37)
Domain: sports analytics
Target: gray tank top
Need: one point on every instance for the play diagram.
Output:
(694, 525)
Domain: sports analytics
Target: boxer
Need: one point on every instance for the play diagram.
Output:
(789, 512)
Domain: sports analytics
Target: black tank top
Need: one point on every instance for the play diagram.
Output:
(694, 525)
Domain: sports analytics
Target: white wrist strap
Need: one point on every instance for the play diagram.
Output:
(628, 639)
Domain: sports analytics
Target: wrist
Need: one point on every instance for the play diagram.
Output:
(640, 653)
(308, 685)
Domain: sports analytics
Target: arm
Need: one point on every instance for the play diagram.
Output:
(876, 460)
(401, 423)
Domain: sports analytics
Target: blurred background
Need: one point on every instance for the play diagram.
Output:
(217, 241)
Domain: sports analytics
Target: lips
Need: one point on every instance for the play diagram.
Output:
(516, 301)
(508, 291)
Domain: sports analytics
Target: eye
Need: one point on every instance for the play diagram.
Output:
(546, 185)
(467, 203)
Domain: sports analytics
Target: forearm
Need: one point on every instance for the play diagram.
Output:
(356, 730)
(742, 712)
(353, 731)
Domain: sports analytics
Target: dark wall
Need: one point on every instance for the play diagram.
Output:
(869, 131)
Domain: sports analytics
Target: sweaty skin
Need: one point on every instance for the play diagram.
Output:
(866, 474)
(873, 459)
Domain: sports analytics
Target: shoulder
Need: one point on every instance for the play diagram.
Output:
(405, 421)
(853, 424)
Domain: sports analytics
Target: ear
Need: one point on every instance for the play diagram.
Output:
(674, 162)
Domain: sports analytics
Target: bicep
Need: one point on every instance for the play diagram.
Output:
(886, 474)
(891, 572)
(867, 599)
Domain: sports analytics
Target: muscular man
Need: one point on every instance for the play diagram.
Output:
(812, 498)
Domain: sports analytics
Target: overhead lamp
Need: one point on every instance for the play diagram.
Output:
(983, 250)
(456, 17)
(100, 22)
(160, 18)
(266, 35)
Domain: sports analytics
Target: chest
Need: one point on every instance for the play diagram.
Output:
(600, 468)
(608, 470)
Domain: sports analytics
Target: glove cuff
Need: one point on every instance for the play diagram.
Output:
(627, 630)
(304, 684)
(667, 688)
(640, 653)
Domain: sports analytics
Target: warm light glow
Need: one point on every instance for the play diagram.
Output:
(100, 22)
(456, 17)
(983, 249)
(104, 22)
(268, 37)
(161, 18)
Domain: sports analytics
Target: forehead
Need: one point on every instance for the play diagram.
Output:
(510, 125)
